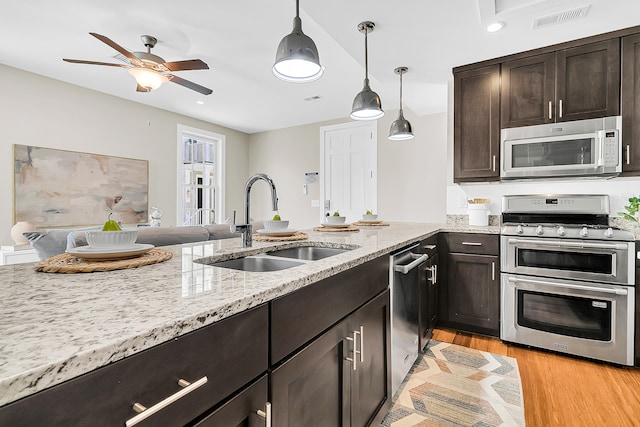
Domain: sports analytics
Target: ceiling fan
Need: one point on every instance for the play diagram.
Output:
(150, 70)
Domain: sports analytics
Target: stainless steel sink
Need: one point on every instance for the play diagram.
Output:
(308, 253)
(279, 259)
(257, 263)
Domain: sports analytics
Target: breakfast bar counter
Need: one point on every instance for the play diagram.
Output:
(55, 327)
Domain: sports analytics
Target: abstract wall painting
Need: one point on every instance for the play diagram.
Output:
(58, 188)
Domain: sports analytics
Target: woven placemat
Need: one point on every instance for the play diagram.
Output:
(371, 224)
(336, 230)
(67, 263)
(300, 235)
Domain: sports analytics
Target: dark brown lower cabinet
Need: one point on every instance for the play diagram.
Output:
(230, 354)
(342, 377)
(469, 292)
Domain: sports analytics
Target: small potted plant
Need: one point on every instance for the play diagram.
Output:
(631, 213)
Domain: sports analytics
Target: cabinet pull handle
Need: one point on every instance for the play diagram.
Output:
(361, 344)
(266, 414)
(472, 243)
(434, 274)
(494, 162)
(550, 116)
(493, 271)
(354, 360)
(628, 157)
(560, 108)
(145, 412)
(430, 247)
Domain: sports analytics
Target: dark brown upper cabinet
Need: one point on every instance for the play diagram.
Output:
(477, 124)
(581, 82)
(631, 105)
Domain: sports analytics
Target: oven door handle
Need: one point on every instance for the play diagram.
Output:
(571, 286)
(541, 244)
(418, 259)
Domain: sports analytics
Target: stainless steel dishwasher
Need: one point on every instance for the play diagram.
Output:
(404, 281)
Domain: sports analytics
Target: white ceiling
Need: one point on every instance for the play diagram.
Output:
(238, 40)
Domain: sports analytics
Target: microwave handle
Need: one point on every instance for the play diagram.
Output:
(600, 142)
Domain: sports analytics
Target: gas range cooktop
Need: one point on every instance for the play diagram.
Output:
(582, 216)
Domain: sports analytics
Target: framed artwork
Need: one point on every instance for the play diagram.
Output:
(58, 188)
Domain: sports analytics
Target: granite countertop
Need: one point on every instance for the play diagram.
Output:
(55, 327)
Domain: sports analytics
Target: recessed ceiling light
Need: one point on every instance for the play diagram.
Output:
(496, 26)
(200, 102)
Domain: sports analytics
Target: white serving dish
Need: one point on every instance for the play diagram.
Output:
(335, 219)
(274, 225)
(324, 224)
(277, 233)
(369, 218)
(111, 239)
(104, 254)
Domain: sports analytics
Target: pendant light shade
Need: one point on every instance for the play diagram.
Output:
(297, 58)
(367, 104)
(401, 128)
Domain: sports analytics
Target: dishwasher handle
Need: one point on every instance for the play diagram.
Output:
(417, 260)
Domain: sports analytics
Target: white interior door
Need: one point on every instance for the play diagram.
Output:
(349, 155)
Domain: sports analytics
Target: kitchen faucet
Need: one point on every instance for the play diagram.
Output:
(246, 228)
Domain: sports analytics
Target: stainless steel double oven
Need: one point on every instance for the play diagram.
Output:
(567, 277)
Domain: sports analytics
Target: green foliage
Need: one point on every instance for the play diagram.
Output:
(632, 209)
(336, 213)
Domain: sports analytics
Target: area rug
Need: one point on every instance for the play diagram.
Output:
(451, 385)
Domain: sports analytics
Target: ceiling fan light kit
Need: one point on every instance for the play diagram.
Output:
(401, 128)
(149, 70)
(297, 58)
(367, 104)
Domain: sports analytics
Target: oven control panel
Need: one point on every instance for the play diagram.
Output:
(568, 231)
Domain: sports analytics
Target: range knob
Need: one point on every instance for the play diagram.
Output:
(608, 232)
(519, 229)
(539, 230)
(584, 232)
(561, 231)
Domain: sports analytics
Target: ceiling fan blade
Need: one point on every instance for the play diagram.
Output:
(81, 61)
(191, 85)
(191, 64)
(134, 59)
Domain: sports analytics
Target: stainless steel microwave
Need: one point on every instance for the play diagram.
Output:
(590, 147)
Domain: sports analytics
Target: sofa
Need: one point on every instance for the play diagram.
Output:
(52, 242)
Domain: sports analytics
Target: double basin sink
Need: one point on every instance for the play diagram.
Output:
(279, 259)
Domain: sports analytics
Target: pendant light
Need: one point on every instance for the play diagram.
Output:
(401, 128)
(367, 104)
(297, 58)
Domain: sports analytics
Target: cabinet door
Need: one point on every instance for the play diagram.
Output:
(428, 301)
(312, 388)
(631, 105)
(528, 91)
(473, 293)
(371, 380)
(588, 81)
(477, 124)
(241, 410)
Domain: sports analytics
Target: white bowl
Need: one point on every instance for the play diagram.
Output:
(335, 219)
(111, 239)
(275, 225)
(369, 217)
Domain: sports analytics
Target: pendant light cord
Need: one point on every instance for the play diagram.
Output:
(297, 8)
(366, 55)
(401, 92)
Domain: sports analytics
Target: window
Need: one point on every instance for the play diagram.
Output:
(200, 177)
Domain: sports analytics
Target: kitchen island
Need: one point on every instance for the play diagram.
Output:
(55, 327)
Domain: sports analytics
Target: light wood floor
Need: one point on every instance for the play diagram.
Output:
(565, 391)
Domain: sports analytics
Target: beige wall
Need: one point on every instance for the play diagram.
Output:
(44, 112)
(411, 174)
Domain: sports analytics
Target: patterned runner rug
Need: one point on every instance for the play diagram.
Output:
(451, 385)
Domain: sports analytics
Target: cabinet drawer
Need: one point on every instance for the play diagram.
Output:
(230, 353)
(304, 314)
(473, 243)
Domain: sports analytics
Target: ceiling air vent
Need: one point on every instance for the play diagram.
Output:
(560, 18)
